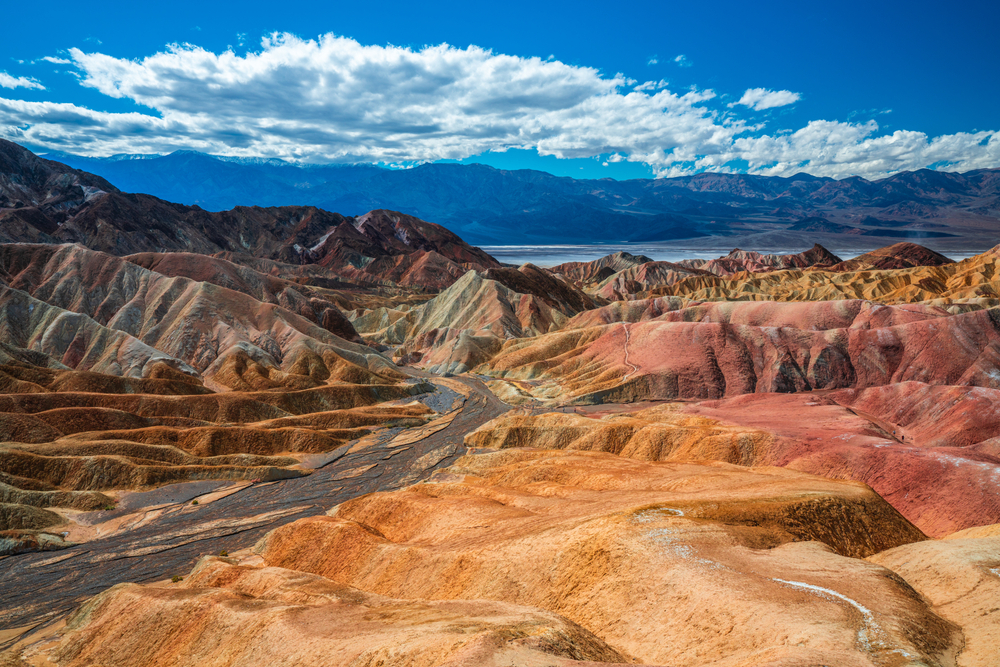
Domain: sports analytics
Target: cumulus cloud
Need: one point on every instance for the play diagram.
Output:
(8, 81)
(837, 149)
(762, 98)
(335, 100)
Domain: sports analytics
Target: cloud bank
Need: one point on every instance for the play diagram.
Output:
(333, 99)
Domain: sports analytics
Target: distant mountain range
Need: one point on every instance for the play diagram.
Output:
(484, 205)
(43, 201)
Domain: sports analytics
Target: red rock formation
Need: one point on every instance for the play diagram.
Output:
(585, 273)
(642, 278)
(754, 262)
(898, 256)
(706, 359)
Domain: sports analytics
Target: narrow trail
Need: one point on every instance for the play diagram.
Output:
(635, 369)
(36, 588)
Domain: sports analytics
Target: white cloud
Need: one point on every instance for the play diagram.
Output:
(57, 61)
(8, 81)
(653, 85)
(836, 149)
(682, 61)
(653, 61)
(333, 99)
(762, 98)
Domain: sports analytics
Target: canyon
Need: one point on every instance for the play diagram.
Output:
(284, 435)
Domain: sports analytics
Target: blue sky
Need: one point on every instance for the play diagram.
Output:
(599, 89)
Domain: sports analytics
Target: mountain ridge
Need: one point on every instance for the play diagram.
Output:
(486, 205)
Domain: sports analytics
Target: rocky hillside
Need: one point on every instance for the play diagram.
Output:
(47, 202)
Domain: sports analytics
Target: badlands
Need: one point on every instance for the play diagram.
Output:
(282, 436)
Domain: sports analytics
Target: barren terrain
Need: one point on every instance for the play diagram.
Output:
(285, 436)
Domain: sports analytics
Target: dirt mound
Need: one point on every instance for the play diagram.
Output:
(300, 299)
(917, 445)
(238, 407)
(55, 442)
(462, 326)
(942, 479)
(549, 287)
(642, 278)
(208, 441)
(26, 428)
(87, 501)
(73, 340)
(739, 261)
(807, 316)
(448, 350)
(480, 304)
(663, 433)
(627, 311)
(108, 466)
(21, 379)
